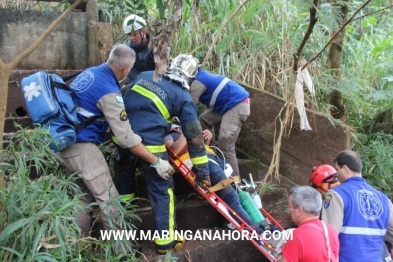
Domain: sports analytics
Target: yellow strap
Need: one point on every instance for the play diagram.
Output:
(224, 183)
(183, 158)
(208, 149)
(156, 149)
(199, 160)
(157, 101)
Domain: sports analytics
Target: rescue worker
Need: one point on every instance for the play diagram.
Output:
(135, 27)
(150, 107)
(228, 107)
(323, 178)
(98, 92)
(358, 212)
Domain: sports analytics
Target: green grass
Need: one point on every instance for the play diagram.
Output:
(37, 215)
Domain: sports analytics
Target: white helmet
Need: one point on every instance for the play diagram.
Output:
(133, 23)
(183, 69)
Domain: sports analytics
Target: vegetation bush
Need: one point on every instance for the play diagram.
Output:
(38, 207)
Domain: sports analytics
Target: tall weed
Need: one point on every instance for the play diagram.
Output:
(37, 214)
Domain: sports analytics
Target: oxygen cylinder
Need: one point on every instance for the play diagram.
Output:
(249, 205)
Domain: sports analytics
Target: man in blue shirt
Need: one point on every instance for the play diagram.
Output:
(360, 214)
(228, 107)
(98, 92)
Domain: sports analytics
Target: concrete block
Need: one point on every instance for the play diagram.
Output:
(64, 48)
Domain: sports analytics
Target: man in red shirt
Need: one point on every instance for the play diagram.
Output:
(313, 240)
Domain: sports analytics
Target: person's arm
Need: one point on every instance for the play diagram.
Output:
(333, 210)
(179, 145)
(141, 151)
(281, 258)
(196, 90)
(192, 130)
(113, 109)
(292, 249)
(389, 232)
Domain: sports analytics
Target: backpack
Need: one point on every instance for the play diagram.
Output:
(51, 108)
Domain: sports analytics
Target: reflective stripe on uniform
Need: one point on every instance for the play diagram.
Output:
(114, 139)
(127, 197)
(156, 100)
(156, 149)
(217, 91)
(171, 222)
(199, 160)
(363, 231)
(171, 210)
(84, 112)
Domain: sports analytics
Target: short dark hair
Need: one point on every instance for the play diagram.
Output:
(351, 159)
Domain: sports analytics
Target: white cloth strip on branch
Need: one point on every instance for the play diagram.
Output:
(303, 77)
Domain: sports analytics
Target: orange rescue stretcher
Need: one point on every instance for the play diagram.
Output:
(266, 248)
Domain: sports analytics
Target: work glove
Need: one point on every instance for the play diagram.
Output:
(203, 181)
(163, 168)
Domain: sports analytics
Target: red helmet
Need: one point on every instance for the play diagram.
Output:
(324, 177)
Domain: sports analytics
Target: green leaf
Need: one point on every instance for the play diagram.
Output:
(44, 257)
(160, 6)
(378, 95)
(13, 251)
(389, 78)
(11, 228)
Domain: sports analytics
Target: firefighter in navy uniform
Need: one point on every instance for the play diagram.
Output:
(150, 107)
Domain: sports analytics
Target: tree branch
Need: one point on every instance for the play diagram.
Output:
(313, 21)
(220, 30)
(339, 30)
(41, 38)
(379, 10)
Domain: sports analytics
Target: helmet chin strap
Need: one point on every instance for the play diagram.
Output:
(142, 37)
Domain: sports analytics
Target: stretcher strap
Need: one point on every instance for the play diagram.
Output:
(224, 183)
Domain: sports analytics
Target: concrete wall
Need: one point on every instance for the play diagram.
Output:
(65, 48)
(302, 150)
(65, 51)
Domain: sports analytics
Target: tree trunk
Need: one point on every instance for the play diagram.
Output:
(5, 73)
(335, 60)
